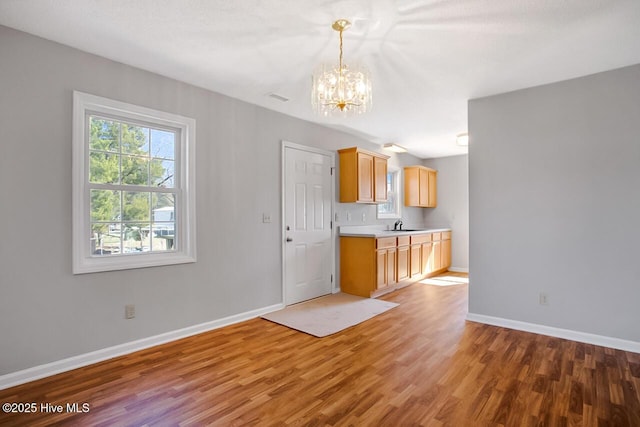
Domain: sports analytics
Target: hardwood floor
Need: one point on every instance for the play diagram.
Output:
(418, 364)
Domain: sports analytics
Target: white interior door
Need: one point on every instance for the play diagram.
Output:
(308, 248)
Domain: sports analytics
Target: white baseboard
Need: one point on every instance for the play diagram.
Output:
(568, 334)
(459, 269)
(48, 369)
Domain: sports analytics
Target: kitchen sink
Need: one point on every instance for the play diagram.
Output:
(405, 229)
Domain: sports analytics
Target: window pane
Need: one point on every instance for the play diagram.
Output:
(103, 134)
(105, 205)
(162, 173)
(104, 168)
(164, 223)
(163, 144)
(391, 209)
(105, 239)
(135, 237)
(162, 242)
(135, 140)
(135, 206)
(135, 170)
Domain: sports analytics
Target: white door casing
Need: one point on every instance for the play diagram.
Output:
(308, 252)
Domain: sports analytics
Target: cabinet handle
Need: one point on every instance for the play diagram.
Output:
(289, 239)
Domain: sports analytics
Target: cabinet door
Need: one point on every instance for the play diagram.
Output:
(386, 267)
(437, 255)
(427, 258)
(391, 266)
(416, 260)
(380, 179)
(365, 177)
(411, 186)
(423, 180)
(446, 253)
(403, 263)
(432, 182)
(381, 268)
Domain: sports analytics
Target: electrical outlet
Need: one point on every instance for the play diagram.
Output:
(266, 218)
(364, 217)
(544, 298)
(348, 216)
(129, 311)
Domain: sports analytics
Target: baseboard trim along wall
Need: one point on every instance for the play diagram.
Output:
(74, 362)
(584, 337)
(459, 269)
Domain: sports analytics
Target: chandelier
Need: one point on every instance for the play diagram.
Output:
(341, 90)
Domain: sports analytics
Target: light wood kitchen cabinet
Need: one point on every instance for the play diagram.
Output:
(402, 258)
(363, 176)
(416, 259)
(420, 187)
(420, 248)
(427, 258)
(441, 250)
(385, 262)
(445, 249)
(437, 251)
(373, 266)
(380, 178)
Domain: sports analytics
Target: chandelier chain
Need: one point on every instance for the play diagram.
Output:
(340, 53)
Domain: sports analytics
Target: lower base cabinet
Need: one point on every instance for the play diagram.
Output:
(403, 260)
(371, 267)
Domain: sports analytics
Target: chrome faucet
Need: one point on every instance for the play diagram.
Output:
(398, 225)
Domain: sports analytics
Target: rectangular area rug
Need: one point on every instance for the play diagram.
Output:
(329, 314)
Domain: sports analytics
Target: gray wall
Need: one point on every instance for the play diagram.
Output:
(453, 205)
(554, 175)
(46, 313)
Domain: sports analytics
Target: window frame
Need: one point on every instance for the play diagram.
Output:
(84, 261)
(397, 214)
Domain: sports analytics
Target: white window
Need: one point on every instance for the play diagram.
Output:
(133, 186)
(391, 209)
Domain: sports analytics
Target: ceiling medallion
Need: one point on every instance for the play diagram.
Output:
(341, 90)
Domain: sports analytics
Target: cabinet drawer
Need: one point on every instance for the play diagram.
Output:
(436, 236)
(385, 242)
(403, 240)
(446, 235)
(421, 238)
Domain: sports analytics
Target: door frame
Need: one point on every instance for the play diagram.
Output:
(332, 156)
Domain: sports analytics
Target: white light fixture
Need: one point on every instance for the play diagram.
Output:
(341, 90)
(394, 147)
(462, 139)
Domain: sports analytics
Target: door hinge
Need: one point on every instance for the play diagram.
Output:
(332, 278)
(331, 225)
(331, 169)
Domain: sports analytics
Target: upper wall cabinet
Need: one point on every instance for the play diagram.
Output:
(420, 187)
(363, 176)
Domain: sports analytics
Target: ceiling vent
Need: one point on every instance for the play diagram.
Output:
(278, 97)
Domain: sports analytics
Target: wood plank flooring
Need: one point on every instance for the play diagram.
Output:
(420, 364)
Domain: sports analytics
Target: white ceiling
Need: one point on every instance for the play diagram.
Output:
(427, 57)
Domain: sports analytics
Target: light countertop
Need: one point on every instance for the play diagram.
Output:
(381, 231)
